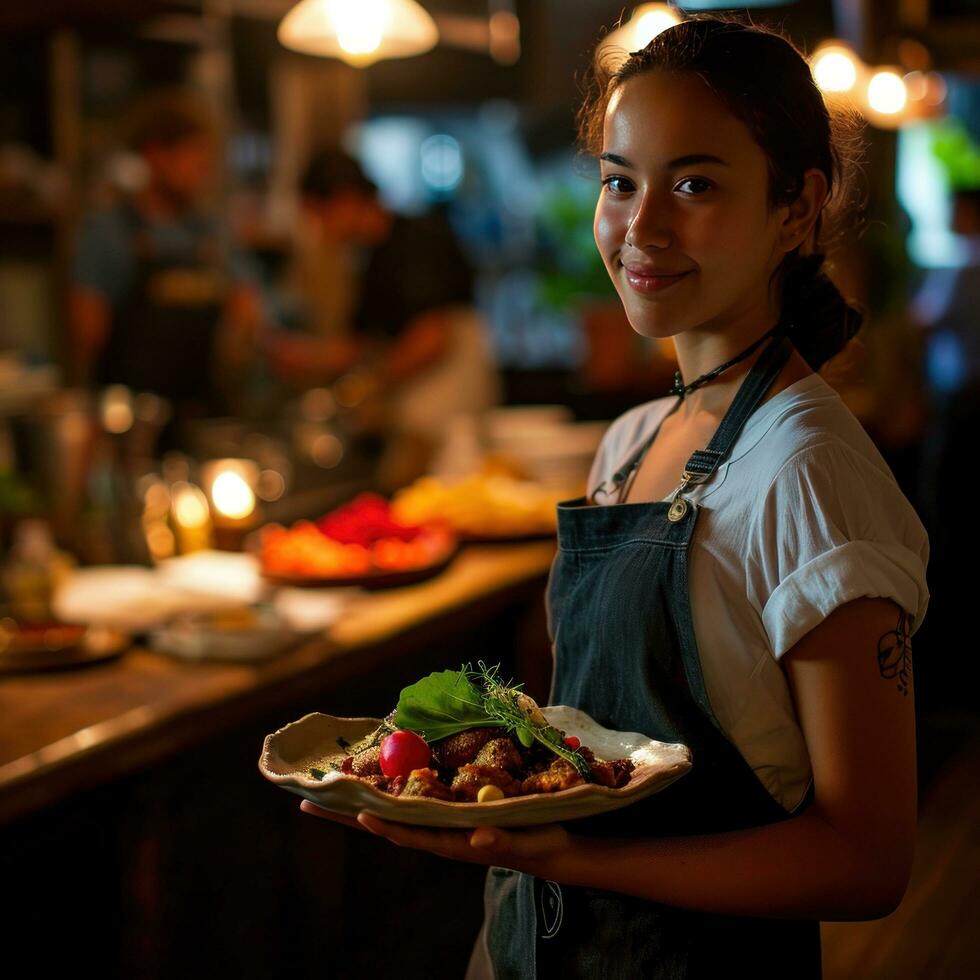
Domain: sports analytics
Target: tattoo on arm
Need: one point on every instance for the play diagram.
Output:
(895, 653)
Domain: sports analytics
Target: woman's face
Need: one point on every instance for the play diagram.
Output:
(665, 209)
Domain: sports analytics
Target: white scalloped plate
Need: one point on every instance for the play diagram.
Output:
(313, 741)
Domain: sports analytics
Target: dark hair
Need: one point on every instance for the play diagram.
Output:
(332, 171)
(763, 79)
(168, 116)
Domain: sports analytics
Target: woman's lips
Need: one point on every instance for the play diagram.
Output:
(651, 284)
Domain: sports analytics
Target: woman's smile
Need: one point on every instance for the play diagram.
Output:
(648, 284)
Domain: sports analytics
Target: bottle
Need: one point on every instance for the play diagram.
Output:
(34, 569)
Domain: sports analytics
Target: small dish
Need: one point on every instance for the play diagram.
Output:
(242, 635)
(56, 646)
(317, 740)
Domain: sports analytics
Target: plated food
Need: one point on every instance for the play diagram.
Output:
(464, 749)
(484, 506)
(361, 543)
(467, 737)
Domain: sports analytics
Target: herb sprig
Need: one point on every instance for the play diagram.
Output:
(450, 701)
(509, 706)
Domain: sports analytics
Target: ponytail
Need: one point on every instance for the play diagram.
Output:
(817, 317)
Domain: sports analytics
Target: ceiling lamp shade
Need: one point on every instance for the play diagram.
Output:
(645, 23)
(358, 31)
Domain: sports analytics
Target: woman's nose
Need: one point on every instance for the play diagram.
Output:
(647, 227)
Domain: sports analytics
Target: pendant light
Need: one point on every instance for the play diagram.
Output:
(358, 31)
(645, 23)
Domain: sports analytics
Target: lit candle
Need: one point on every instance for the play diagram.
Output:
(231, 487)
(191, 516)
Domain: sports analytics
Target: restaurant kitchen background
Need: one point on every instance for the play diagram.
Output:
(412, 352)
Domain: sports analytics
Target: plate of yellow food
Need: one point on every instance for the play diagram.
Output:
(464, 749)
(483, 507)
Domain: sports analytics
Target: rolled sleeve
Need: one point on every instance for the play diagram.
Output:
(833, 526)
(853, 570)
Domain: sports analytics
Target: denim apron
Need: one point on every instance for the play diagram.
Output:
(619, 617)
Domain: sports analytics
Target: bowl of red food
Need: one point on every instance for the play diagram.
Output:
(358, 544)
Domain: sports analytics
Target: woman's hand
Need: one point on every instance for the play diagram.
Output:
(533, 850)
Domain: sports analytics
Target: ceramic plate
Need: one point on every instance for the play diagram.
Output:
(316, 741)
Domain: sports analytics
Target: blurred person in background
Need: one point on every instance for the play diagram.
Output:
(160, 300)
(412, 330)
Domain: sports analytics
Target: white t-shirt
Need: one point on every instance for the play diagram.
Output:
(802, 516)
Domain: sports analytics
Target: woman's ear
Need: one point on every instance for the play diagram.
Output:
(804, 210)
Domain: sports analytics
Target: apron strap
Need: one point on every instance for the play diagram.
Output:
(703, 462)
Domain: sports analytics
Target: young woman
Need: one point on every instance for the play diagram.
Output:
(744, 574)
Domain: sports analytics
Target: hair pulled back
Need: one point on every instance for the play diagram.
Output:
(764, 80)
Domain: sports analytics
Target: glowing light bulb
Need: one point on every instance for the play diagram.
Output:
(650, 24)
(117, 409)
(834, 70)
(886, 92)
(232, 496)
(360, 24)
(358, 31)
(190, 505)
(646, 22)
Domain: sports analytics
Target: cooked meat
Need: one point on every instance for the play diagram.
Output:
(471, 778)
(500, 753)
(459, 749)
(559, 775)
(378, 782)
(425, 782)
(367, 763)
(613, 774)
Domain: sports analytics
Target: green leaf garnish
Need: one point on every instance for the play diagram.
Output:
(442, 704)
(451, 701)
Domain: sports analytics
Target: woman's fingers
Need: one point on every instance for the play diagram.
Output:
(483, 845)
(527, 847)
(317, 811)
(446, 843)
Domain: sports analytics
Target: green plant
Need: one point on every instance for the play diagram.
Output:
(574, 269)
(957, 152)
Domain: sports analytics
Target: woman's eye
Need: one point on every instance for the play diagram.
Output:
(618, 185)
(696, 180)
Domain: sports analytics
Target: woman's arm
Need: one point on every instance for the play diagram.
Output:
(846, 857)
(849, 854)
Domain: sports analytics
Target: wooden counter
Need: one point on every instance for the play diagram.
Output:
(62, 732)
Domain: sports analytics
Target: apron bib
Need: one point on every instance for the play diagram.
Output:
(620, 621)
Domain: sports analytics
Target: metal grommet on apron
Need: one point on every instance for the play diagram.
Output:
(626, 653)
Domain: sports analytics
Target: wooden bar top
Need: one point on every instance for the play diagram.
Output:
(65, 731)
